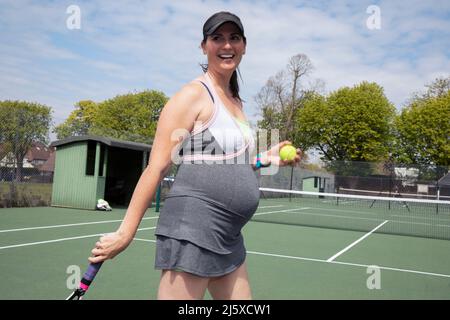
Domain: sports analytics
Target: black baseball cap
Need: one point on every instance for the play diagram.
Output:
(219, 18)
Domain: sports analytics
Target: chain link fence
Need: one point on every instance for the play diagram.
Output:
(31, 186)
(365, 178)
(24, 187)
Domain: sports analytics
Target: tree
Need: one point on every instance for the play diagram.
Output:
(79, 121)
(21, 124)
(131, 117)
(351, 124)
(435, 89)
(423, 131)
(283, 95)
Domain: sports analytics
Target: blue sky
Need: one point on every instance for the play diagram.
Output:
(126, 46)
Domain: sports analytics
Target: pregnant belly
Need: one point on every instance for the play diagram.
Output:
(231, 186)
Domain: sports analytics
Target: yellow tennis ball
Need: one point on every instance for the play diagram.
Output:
(288, 153)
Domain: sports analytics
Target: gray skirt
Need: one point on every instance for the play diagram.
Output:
(182, 255)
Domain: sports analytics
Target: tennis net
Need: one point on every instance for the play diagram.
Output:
(392, 194)
(393, 215)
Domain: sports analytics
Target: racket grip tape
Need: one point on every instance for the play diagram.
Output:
(89, 275)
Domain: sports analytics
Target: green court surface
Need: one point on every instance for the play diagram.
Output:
(40, 248)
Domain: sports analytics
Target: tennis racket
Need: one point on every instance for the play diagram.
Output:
(86, 281)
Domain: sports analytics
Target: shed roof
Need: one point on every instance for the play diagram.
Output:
(108, 141)
(445, 180)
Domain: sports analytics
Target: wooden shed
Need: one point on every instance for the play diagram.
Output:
(88, 168)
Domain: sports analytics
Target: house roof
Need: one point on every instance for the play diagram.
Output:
(49, 165)
(39, 151)
(445, 180)
(108, 141)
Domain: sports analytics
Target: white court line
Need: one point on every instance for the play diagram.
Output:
(350, 264)
(386, 213)
(68, 225)
(319, 214)
(251, 252)
(265, 207)
(337, 210)
(345, 211)
(368, 219)
(376, 219)
(333, 262)
(357, 241)
(146, 240)
(421, 223)
(354, 196)
(62, 239)
(334, 201)
(278, 211)
(351, 217)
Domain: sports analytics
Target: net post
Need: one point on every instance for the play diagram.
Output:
(438, 191)
(337, 197)
(437, 194)
(290, 184)
(391, 174)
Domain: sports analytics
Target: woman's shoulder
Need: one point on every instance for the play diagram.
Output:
(190, 97)
(191, 90)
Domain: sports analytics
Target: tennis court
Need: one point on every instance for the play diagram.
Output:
(298, 247)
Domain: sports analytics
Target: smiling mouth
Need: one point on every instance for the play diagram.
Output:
(226, 56)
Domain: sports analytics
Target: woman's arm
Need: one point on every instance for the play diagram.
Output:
(178, 115)
(261, 160)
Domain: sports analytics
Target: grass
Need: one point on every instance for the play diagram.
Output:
(19, 194)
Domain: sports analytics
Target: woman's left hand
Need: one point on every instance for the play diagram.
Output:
(273, 155)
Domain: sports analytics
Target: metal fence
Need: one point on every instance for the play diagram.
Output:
(365, 178)
(32, 187)
(25, 187)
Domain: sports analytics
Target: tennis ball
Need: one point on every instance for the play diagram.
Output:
(288, 152)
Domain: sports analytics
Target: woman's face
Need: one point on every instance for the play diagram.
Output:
(225, 47)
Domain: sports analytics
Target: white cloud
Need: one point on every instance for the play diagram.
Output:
(134, 45)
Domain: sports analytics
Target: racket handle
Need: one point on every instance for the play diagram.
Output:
(89, 275)
(86, 281)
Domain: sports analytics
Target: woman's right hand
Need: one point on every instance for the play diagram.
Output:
(109, 246)
(273, 154)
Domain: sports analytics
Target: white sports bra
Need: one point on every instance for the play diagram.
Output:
(222, 136)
